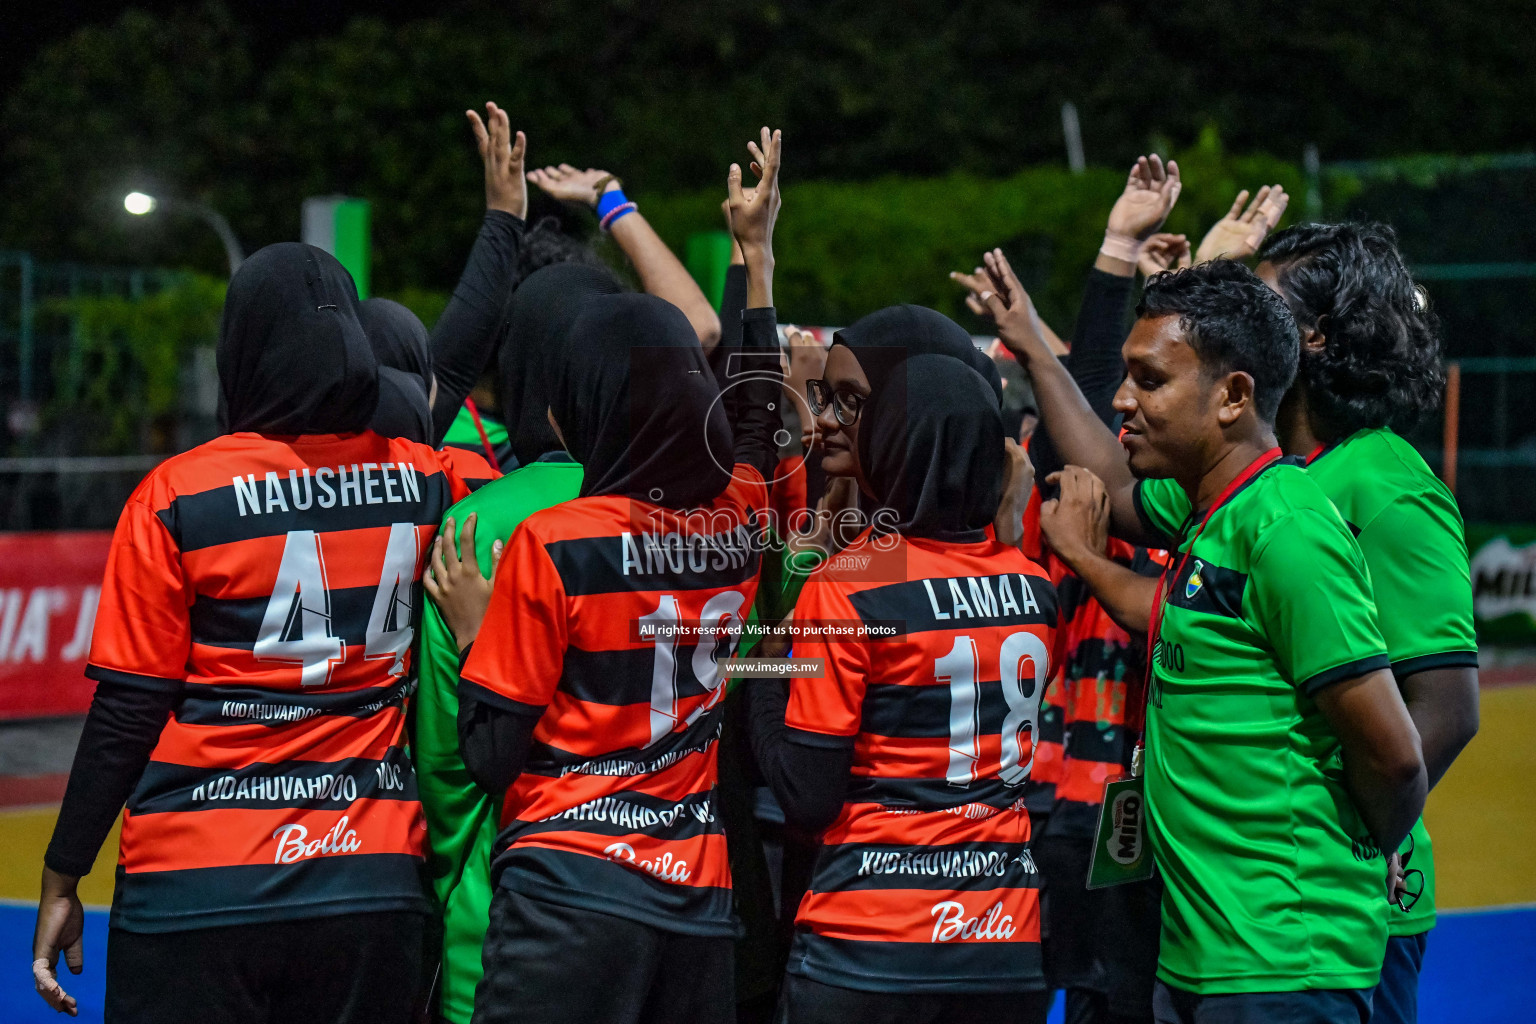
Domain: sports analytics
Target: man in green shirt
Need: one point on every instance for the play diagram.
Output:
(1280, 757)
(1371, 363)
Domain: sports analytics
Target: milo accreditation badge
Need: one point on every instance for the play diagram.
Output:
(1121, 852)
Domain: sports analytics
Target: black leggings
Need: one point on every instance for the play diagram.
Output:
(349, 969)
(810, 1002)
(549, 964)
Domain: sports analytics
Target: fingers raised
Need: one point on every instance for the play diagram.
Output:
(482, 138)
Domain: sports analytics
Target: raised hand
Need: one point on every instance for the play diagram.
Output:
(974, 284)
(754, 210)
(1240, 233)
(1163, 252)
(1018, 325)
(1150, 192)
(752, 213)
(502, 155)
(576, 186)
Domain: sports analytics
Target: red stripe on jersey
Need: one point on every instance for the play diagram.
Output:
(696, 861)
(284, 835)
(591, 729)
(924, 915)
(248, 568)
(533, 798)
(323, 739)
(967, 823)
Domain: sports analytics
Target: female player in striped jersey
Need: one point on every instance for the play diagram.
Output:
(910, 752)
(581, 701)
(252, 656)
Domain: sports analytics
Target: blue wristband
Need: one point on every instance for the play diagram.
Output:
(610, 201)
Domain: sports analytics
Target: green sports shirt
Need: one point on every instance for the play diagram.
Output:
(1410, 532)
(1272, 882)
(461, 818)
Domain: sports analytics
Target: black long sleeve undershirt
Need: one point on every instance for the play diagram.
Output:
(1094, 362)
(121, 729)
(464, 337)
(755, 391)
(809, 782)
(494, 739)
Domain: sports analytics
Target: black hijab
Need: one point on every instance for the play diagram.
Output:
(292, 356)
(931, 443)
(885, 337)
(637, 404)
(398, 337)
(404, 352)
(542, 310)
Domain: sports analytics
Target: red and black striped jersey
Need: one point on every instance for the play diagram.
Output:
(1103, 664)
(925, 881)
(470, 466)
(273, 584)
(608, 619)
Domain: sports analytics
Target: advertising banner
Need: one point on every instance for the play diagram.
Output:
(49, 586)
(1504, 583)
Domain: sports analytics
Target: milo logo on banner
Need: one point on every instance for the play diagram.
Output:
(1125, 843)
(1504, 585)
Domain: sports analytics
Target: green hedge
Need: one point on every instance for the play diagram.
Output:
(120, 375)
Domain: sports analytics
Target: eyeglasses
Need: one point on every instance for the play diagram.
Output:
(846, 405)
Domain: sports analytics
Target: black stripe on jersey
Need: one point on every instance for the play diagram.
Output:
(1094, 656)
(955, 867)
(213, 517)
(173, 901)
(1052, 724)
(621, 678)
(155, 684)
(1424, 662)
(918, 967)
(571, 879)
(236, 621)
(929, 794)
(1143, 564)
(544, 759)
(628, 813)
(1088, 741)
(1220, 590)
(920, 606)
(891, 709)
(254, 705)
(596, 565)
(310, 785)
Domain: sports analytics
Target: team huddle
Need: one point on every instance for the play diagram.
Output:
(595, 657)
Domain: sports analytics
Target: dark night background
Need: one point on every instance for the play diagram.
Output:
(253, 105)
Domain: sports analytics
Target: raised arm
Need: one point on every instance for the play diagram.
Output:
(1081, 437)
(662, 274)
(753, 212)
(464, 337)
